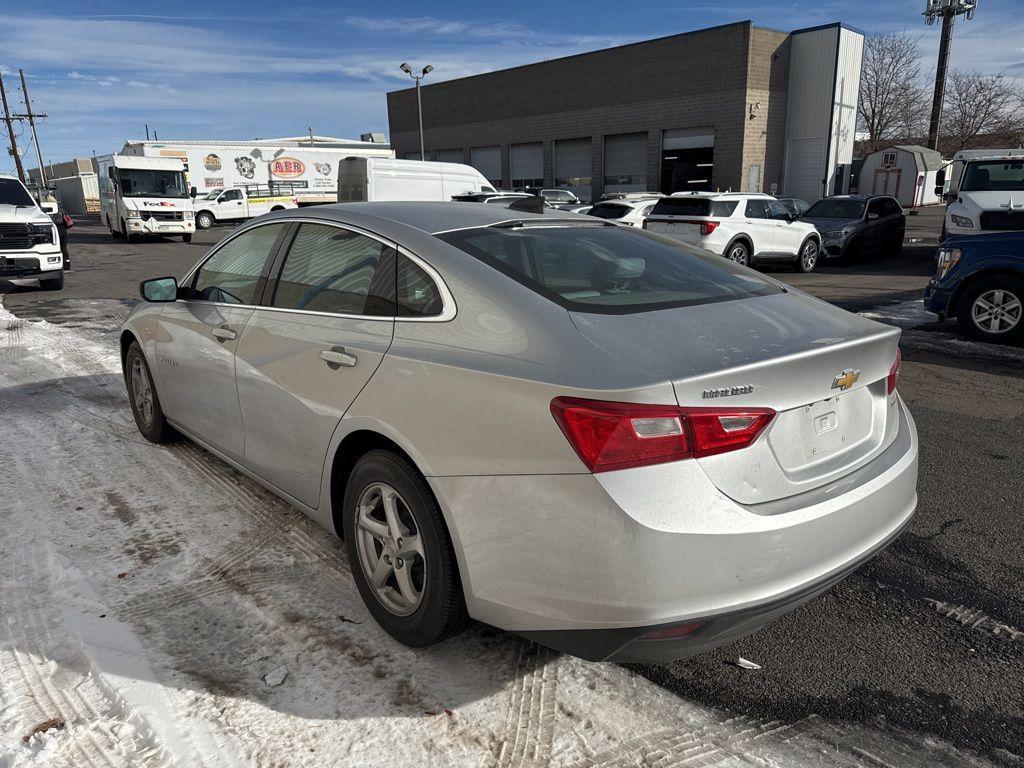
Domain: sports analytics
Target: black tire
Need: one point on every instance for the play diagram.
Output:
(980, 326)
(805, 261)
(128, 236)
(739, 252)
(187, 237)
(441, 611)
(53, 283)
(205, 220)
(156, 429)
(114, 234)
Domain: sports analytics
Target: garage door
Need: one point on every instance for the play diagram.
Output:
(526, 163)
(487, 160)
(625, 162)
(572, 160)
(450, 155)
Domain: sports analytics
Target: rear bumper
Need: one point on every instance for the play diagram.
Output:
(588, 564)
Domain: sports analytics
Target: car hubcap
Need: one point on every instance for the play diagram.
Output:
(996, 311)
(809, 257)
(204, 221)
(390, 549)
(738, 254)
(142, 392)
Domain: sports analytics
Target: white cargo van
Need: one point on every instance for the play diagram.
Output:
(986, 192)
(369, 179)
(144, 196)
(239, 203)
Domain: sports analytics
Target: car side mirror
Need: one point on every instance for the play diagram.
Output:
(873, 216)
(791, 217)
(193, 192)
(48, 208)
(159, 289)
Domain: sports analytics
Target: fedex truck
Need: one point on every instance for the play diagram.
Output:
(284, 166)
(145, 196)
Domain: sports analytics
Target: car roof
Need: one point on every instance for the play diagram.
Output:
(630, 203)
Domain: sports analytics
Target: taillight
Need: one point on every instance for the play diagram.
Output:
(707, 227)
(679, 630)
(894, 373)
(609, 435)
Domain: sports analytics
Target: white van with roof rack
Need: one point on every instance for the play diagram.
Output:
(744, 227)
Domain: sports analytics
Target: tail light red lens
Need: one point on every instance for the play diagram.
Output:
(707, 227)
(669, 632)
(894, 373)
(610, 435)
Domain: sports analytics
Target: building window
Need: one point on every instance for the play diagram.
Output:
(621, 180)
(573, 181)
(534, 182)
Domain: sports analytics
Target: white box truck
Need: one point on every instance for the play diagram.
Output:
(144, 196)
(238, 204)
(374, 178)
(985, 193)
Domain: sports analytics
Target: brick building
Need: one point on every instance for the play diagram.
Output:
(733, 107)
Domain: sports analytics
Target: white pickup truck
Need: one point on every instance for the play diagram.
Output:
(238, 203)
(29, 244)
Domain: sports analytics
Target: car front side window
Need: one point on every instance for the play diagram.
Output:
(232, 274)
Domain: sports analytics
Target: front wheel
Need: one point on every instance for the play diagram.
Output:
(128, 236)
(53, 283)
(807, 260)
(991, 310)
(187, 237)
(739, 253)
(149, 416)
(204, 220)
(402, 559)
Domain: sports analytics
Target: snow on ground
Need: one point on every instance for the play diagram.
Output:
(151, 599)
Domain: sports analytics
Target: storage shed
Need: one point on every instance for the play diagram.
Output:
(905, 171)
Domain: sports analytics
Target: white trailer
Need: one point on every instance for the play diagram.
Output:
(374, 179)
(284, 165)
(144, 196)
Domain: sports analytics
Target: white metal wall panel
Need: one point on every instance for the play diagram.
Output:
(487, 160)
(573, 162)
(844, 110)
(526, 163)
(625, 162)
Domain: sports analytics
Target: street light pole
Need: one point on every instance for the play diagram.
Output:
(419, 101)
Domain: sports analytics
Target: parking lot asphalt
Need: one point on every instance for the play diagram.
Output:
(928, 637)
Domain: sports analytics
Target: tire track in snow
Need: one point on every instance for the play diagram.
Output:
(530, 719)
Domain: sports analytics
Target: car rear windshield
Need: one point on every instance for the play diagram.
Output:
(836, 209)
(609, 269)
(609, 210)
(13, 193)
(693, 206)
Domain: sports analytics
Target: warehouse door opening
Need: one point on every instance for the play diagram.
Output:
(487, 160)
(573, 163)
(526, 163)
(687, 160)
(625, 162)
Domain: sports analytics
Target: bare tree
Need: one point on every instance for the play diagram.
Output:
(892, 103)
(978, 106)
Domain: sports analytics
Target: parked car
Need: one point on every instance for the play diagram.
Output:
(236, 204)
(979, 280)
(852, 226)
(747, 228)
(559, 198)
(630, 196)
(612, 443)
(794, 205)
(29, 240)
(630, 213)
(583, 209)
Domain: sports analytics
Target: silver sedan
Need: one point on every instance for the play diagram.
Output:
(614, 443)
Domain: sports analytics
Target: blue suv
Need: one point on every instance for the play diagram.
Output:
(979, 280)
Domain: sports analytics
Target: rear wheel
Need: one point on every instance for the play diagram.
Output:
(807, 259)
(739, 252)
(991, 310)
(149, 416)
(402, 559)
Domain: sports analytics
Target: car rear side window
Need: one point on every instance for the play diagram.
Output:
(232, 274)
(609, 211)
(330, 269)
(683, 206)
(418, 295)
(609, 269)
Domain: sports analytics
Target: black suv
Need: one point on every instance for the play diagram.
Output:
(857, 225)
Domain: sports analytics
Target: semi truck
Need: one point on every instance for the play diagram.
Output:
(145, 196)
(240, 203)
(985, 192)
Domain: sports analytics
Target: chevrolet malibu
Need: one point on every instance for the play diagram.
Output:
(610, 442)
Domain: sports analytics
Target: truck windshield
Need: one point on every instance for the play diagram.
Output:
(836, 209)
(13, 193)
(144, 183)
(993, 176)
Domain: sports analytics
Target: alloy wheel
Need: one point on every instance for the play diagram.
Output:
(390, 549)
(738, 253)
(142, 391)
(809, 256)
(996, 311)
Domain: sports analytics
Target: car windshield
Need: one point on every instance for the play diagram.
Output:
(609, 269)
(993, 176)
(145, 183)
(13, 193)
(836, 209)
(210, 195)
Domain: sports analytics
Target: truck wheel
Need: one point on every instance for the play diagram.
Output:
(128, 236)
(204, 220)
(993, 310)
(187, 237)
(53, 283)
(114, 234)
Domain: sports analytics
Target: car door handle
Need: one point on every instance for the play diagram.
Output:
(224, 333)
(338, 356)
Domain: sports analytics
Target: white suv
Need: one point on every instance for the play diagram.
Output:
(744, 227)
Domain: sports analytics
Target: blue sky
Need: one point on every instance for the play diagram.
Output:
(258, 69)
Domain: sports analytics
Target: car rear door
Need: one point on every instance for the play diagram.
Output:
(325, 323)
(759, 226)
(198, 337)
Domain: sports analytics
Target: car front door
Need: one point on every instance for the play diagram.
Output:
(231, 206)
(326, 321)
(198, 336)
(788, 235)
(875, 230)
(759, 226)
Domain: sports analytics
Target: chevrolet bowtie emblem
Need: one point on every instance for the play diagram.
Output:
(846, 379)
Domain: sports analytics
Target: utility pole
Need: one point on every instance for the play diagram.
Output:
(10, 132)
(419, 102)
(147, 131)
(947, 10)
(32, 125)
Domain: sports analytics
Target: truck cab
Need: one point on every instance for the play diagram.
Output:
(986, 192)
(239, 203)
(145, 196)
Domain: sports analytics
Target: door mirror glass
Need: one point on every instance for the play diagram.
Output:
(872, 216)
(159, 289)
(193, 192)
(940, 177)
